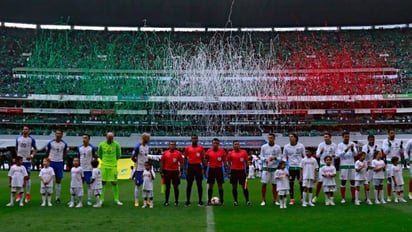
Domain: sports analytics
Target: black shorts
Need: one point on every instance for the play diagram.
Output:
(172, 176)
(194, 171)
(238, 176)
(215, 174)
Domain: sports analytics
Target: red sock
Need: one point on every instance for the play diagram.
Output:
(274, 192)
(352, 191)
(410, 186)
(343, 192)
(318, 187)
(389, 186)
(264, 192)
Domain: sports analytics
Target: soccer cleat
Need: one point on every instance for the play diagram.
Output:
(89, 202)
(343, 201)
(281, 206)
(304, 204)
(187, 204)
(176, 204)
(248, 203)
(27, 199)
(263, 203)
(369, 202)
(377, 202)
(396, 200)
(118, 203)
(43, 204)
(327, 202)
(21, 203)
(151, 205)
(388, 199)
(144, 206)
(79, 205)
(311, 204)
(10, 204)
(314, 199)
(97, 205)
(292, 202)
(71, 204)
(200, 204)
(276, 203)
(357, 202)
(58, 201)
(383, 201)
(402, 200)
(18, 197)
(166, 204)
(136, 204)
(332, 202)
(50, 204)
(235, 203)
(209, 203)
(410, 196)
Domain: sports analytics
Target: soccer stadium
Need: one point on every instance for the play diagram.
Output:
(235, 70)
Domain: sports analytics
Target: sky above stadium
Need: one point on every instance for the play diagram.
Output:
(208, 13)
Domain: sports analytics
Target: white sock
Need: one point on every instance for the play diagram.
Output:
(21, 197)
(43, 199)
(381, 195)
(58, 190)
(356, 195)
(72, 199)
(375, 193)
(28, 186)
(136, 193)
(304, 197)
(367, 195)
(49, 198)
(89, 192)
(12, 197)
(310, 197)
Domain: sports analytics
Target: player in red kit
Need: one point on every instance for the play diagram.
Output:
(194, 162)
(171, 164)
(238, 163)
(216, 159)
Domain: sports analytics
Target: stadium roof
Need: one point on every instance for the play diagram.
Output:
(208, 13)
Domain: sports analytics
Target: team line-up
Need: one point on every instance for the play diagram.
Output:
(372, 164)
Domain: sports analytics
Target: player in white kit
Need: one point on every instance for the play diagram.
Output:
(294, 152)
(140, 156)
(370, 148)
(325, 148)
(26, 148)
(46, 182)
(270, 155)
(76, 184)
(391, 147)
(87, 152)
(308, 168)
(346, 152)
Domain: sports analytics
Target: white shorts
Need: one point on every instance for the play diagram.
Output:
(329, 188)
(347, 174)
(268, 177)
(46, 190)
(369, 175)
(97, 192)
(147, 193)
(361, 183)
(77, 191)
(283, 192)
(388, 171)
(398, 188)
(308, 183)
(17, 189)
(377, 182)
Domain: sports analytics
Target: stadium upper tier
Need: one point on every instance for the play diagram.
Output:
(188, 64)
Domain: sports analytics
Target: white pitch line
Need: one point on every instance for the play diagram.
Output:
(210, 219)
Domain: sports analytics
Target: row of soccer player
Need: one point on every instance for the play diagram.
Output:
(109, 151)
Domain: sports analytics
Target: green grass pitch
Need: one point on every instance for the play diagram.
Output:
(346, 217)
